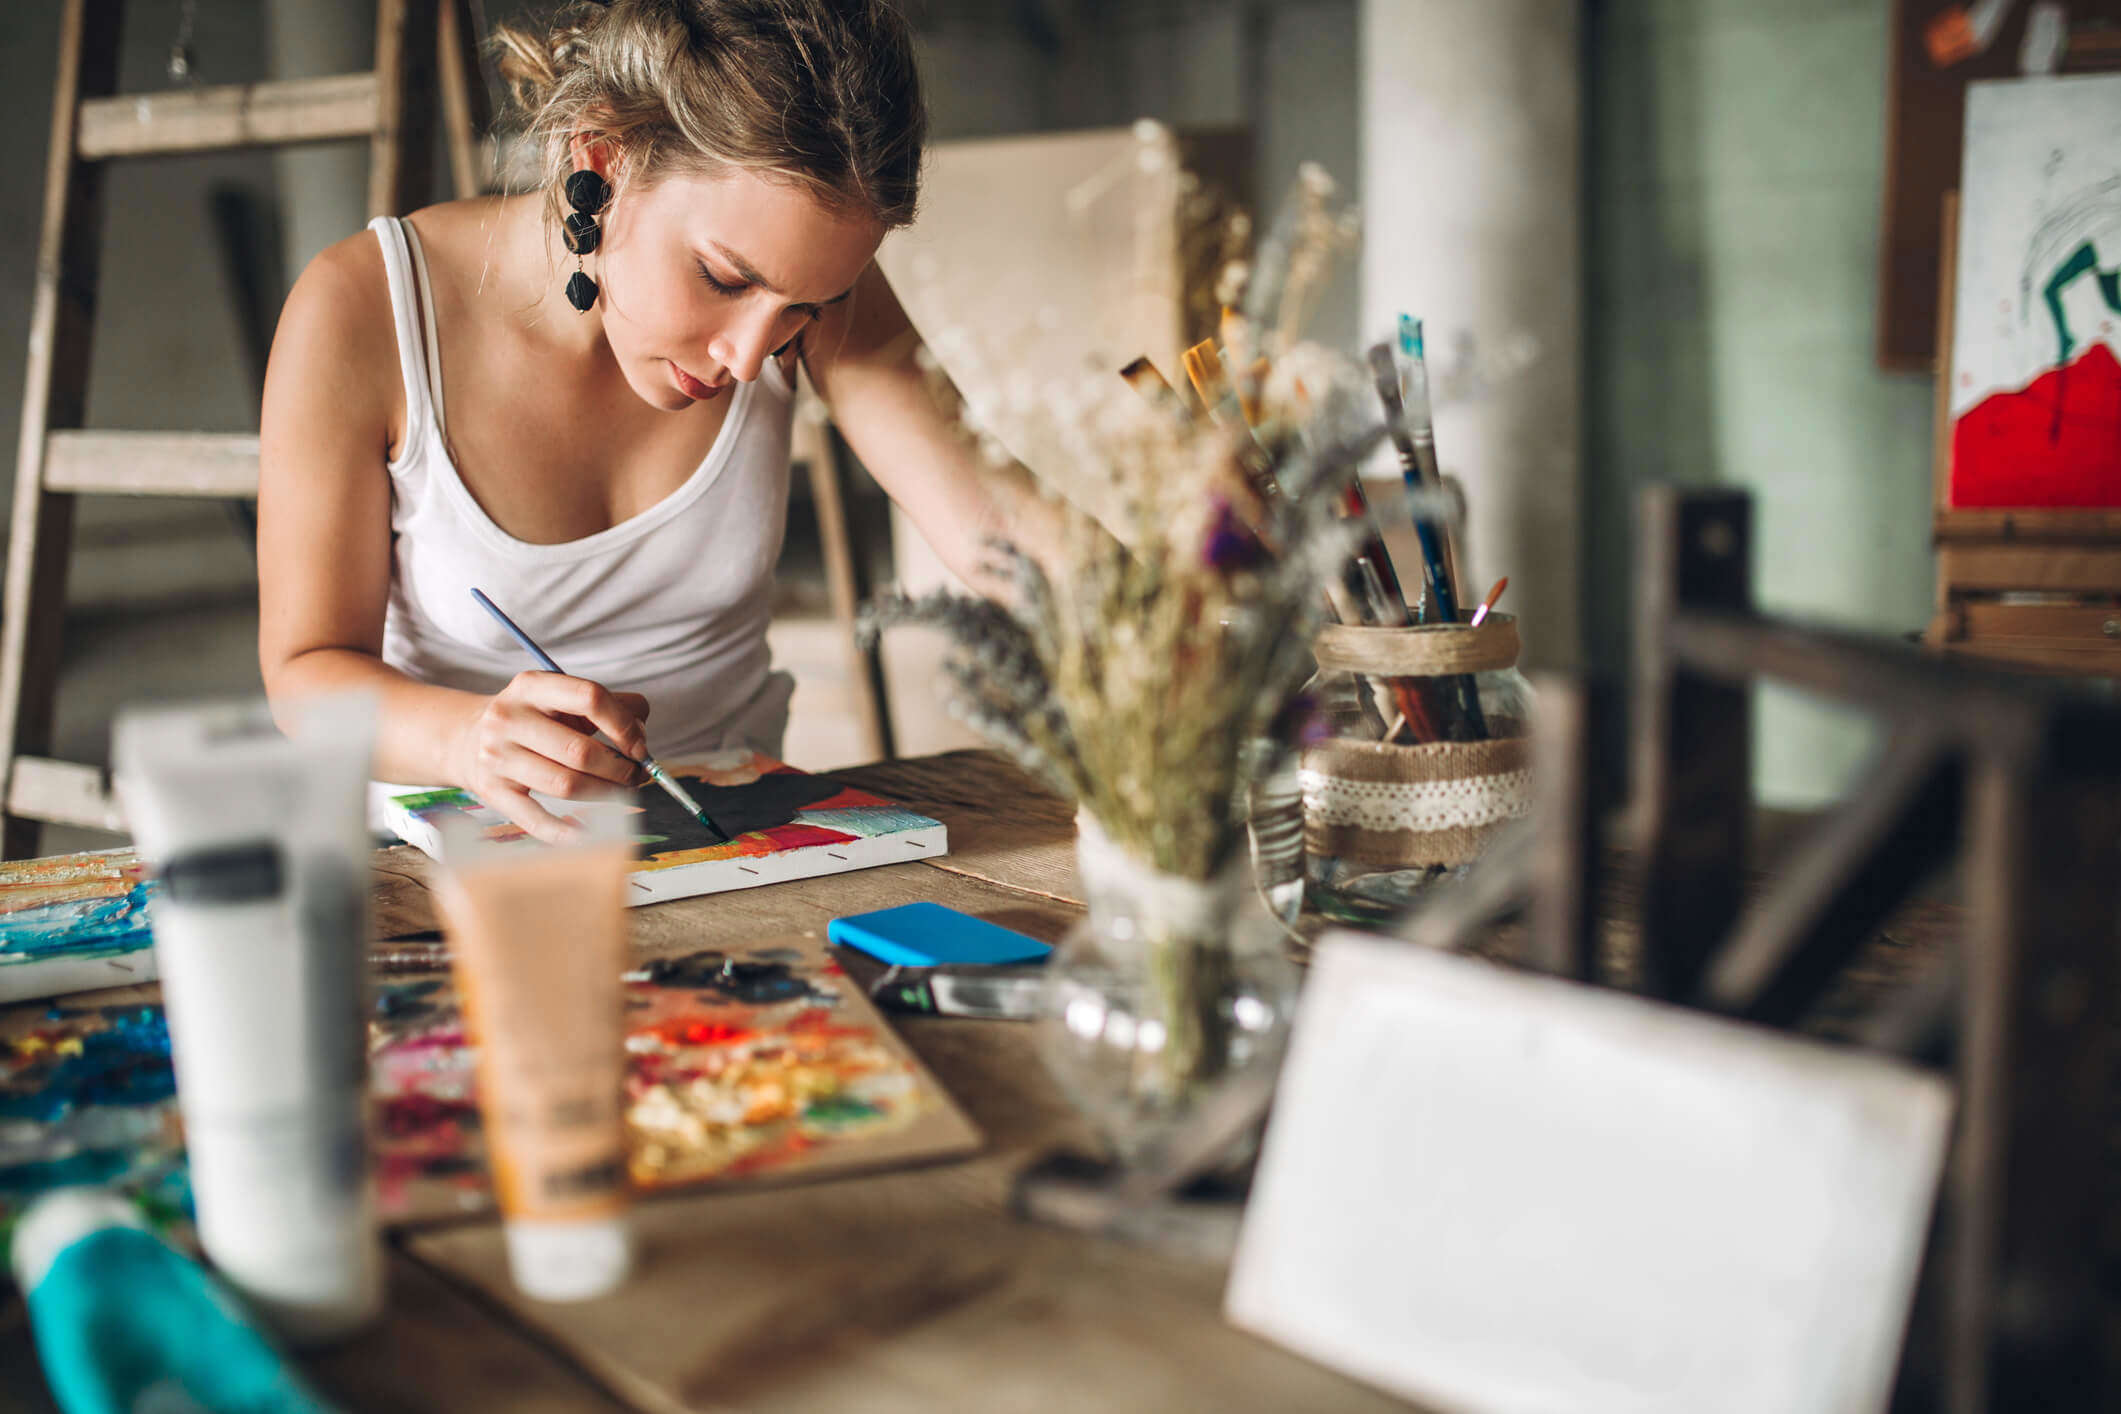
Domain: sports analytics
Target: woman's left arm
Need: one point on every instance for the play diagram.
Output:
(902, 423)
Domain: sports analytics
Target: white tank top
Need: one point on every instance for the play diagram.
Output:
(672, 603)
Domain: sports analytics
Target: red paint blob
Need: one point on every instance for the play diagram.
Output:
(2057, 443)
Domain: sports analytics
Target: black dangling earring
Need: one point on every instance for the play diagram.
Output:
(587, 193)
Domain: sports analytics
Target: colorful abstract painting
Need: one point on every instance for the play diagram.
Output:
(780, 824)
(70, 922)
(2036, 349)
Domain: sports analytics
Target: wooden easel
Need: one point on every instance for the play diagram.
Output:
(2071, 557)
(393, 106)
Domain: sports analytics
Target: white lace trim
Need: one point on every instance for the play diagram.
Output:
(1423, 807)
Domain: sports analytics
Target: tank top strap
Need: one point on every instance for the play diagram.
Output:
(412, 314)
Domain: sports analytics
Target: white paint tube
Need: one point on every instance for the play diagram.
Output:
(261, 929)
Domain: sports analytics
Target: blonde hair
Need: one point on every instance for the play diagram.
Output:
(821, 93)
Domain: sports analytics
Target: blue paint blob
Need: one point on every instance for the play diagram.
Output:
(127, 1063)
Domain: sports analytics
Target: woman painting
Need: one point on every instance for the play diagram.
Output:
(578, 399)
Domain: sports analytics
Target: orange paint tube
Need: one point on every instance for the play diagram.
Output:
(539, 943)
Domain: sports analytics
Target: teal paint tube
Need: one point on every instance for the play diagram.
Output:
(125, 1324)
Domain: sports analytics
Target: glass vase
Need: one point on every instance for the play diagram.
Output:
(1167, 989)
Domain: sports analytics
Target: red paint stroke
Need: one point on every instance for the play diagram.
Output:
(2055, 443)
(848, 799)
(691, 1031)
(797, 836)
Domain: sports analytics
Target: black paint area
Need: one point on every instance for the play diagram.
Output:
(756, 980)
(758, 805)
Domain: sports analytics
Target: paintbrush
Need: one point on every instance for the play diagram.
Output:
(1472, 723)
(646, 762)
(1145, 378)
(1487, 605)
(1421, 430)
(1204, 370)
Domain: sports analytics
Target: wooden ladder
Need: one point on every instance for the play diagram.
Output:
(393, 106)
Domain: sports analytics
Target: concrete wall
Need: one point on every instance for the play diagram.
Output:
(1736, 162)
(1471, 118)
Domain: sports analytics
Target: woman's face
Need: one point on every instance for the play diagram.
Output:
(704, 278)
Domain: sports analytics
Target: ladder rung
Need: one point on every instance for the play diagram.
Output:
(62, 793)
(232, 115)
(152, 463)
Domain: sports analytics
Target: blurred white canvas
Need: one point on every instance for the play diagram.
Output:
(1497, 1193)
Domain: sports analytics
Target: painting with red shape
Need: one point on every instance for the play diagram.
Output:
(2035, 383)
(773, 823)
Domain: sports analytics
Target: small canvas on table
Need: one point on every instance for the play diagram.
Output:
(781, 824)
(1498, 1193)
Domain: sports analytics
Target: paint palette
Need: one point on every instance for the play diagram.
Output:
(743, 1066)
(747, 1065)
(782, 824)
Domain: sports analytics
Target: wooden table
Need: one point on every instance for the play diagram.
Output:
(912, 1290)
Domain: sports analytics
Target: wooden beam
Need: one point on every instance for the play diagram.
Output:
(2016, 567)
(1692, 736)
(1974, 705)
(275, 114)
(401, 151)
(1992, 527)
(844, 581)
(2030, 1174)
(219, 465)
(467, 108)
(1564, 930)
(1899, 825)
(64, 793)
(61, 327)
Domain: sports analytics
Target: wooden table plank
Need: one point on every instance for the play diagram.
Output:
(1004, 826)
(895, 1293)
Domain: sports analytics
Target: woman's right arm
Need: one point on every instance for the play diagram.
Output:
(332, 396)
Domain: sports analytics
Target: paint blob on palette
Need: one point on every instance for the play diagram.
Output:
(781, 824)
(88, 1096)
(749, 1064)
(72, 922)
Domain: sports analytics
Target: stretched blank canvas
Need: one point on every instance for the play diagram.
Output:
(1497, 1193)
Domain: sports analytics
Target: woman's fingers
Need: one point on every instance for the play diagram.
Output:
(555, 693)
(511, 763)
(537, 822)
(567, 742)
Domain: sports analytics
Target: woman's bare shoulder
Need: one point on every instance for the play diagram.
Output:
(335, 353)
(343, 295)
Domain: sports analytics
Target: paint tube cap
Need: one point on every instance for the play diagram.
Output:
(58, 1220)
(569, 1261)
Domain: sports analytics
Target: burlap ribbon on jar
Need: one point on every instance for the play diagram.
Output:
(1383, 806)
(1400, 806)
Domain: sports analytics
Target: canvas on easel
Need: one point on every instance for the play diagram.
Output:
(2028, 491)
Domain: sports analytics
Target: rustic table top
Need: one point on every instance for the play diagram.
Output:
(909, 1290)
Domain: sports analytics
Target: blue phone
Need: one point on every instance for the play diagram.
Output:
(931, 935)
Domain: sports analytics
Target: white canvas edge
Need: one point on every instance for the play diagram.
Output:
(1344, 962)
